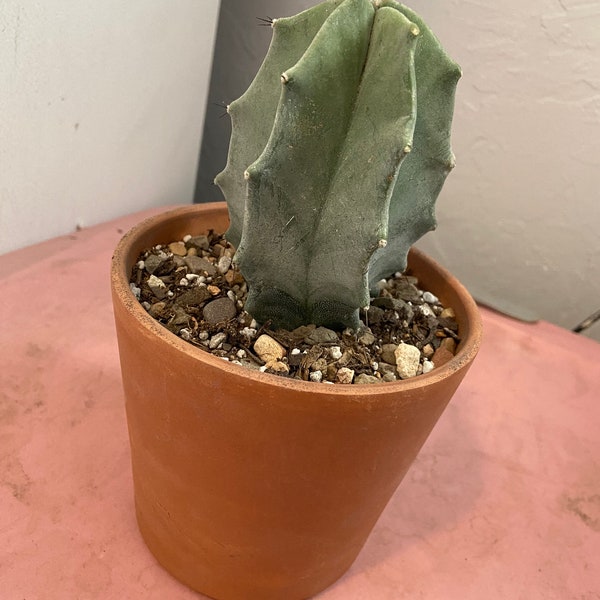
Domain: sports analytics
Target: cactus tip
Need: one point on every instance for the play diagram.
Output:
(246, 175)
(284, 78)
(407, 149)
(382, 243)
(415, 31)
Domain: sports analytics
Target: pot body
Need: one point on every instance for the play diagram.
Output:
(249, 485)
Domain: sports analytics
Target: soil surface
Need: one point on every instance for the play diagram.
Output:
(193, 289)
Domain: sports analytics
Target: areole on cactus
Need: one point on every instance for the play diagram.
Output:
(339, 149)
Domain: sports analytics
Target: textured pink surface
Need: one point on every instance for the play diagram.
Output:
(503, 501)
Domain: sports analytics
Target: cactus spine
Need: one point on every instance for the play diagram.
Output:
(339, 149)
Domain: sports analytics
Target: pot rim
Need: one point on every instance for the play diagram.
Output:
(122, 292)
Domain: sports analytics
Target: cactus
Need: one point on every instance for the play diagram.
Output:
(339, 149)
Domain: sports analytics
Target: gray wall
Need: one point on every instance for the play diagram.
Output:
(519, 218)
(240, 46)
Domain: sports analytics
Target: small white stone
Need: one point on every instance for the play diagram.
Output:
(170, 294)
(253, 324)
(136, 290)
(295, 351)
(187, 238)
(158, 287)
(335, 352)
(184, 282)
(231, 296)
(249, 332)
(192, 277)
(147, 305)
(430, 298)
(263, 368)
(375, 366)
(345, 375)
(428, 366)
(141, 265)
(316, 376)
(241, 354)
(224, 264)
(186, 334)
(216, 340)
(407, 360)
(426, 310)
(203, 335)
(277, 366)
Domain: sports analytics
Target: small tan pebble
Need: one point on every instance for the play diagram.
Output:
(388, 353)
(268, 349)
(234, 277)
(408, 359)
(319, 365)
(366, 338)
(178, 248)
(277, 366)
(345, 375)
(157, 308)
(442, 356)
(346, 358)
(428, 350)
(363, 379)
(448, 313)
(192, 252)
(214, 290)
(449, 344)
(331, 372)
(440, 334)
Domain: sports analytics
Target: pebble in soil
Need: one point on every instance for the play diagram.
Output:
(192, 287)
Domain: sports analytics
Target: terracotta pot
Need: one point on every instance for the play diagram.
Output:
(252, 486)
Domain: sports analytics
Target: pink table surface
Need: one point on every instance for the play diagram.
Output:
(503, 501)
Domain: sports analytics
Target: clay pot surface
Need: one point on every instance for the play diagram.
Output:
(253, 486)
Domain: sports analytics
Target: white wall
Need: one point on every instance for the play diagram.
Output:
(519, 218)
(101, 109)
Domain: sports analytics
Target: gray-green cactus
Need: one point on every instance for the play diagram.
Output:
(339, 149)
